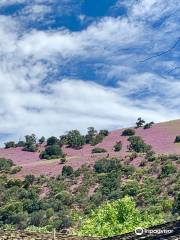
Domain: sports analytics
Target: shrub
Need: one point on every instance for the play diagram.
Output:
(42, 140)
(98, 150)
(148, 125)
(28, 180)
(10, 144)
(20, 144)
(90, 135)
(137, 144)
(52, 152)
(117, 217)
(16, 169)
(75, 139)
(128, 132)
(168, 169)
(5, 165)
(107, 165)
(104, 132)
(97, 139)
(52, 141)
(177, 140)
(67, 171)
(117, 147)
(30, 148)
(30, 144)
(139, 122)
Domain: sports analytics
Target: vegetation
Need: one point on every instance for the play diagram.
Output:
(30, 143)
(148, 125)
(98, 150)
(177, 140)
(117, 217)
(128, 132)
(138, 145)
(10, 144)
(5, 165)
(140, 122)
(71, 203)
(117, 147)
(52, 152)
(75, 139)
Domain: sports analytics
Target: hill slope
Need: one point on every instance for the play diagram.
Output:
(160, 136)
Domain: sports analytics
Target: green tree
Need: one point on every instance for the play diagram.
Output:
(42, 140)
(118, 217)
(75, 139)
(52, 152)
(140, 122)
(117, 147)
(10, 144)
(52, 141)
(128, 132)
(67, 171)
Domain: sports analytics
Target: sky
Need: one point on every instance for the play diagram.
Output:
(71, 64)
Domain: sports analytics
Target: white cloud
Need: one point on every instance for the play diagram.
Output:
(28, 58)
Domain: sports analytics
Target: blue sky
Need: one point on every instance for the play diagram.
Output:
(73, 64)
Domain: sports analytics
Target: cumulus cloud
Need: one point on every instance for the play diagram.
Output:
(33, 101)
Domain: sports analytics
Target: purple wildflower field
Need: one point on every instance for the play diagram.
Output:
(161, 136)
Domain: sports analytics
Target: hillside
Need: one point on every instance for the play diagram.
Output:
(160, 136)
(119, 181)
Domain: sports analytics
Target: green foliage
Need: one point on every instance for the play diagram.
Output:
(10, 144)
(52, 141)
(52, 152)
(113, 218)
(75, 139)
(128, 132)
(20, 144)
(15, 169)
(138, 145)
(107, 165)
(67, 171)
(30, 144)
(42, 140)
(29, 179)
(148, 125)
(5, 165)
(117, 147)
(140, 122)
(104, 132)
(90, 135)
(167, 169)
(177, 140)
(98, 150)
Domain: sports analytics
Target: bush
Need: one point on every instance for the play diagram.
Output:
(5, 165)
(168, 169)
(148, 125)
(138, 145)
(98, 150)
(177, 140)
(104, 132)
(107, 165)
(20, 144)
(117, 217)
(10, 144)
(97, 139)
(42, 140)
(90, 135)
(52, 141)
(52, 152)
(30, 144)
(16, 169)
(139, 122)
(128, 132)
(67, 171)
(75, 139)
(118, 147)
